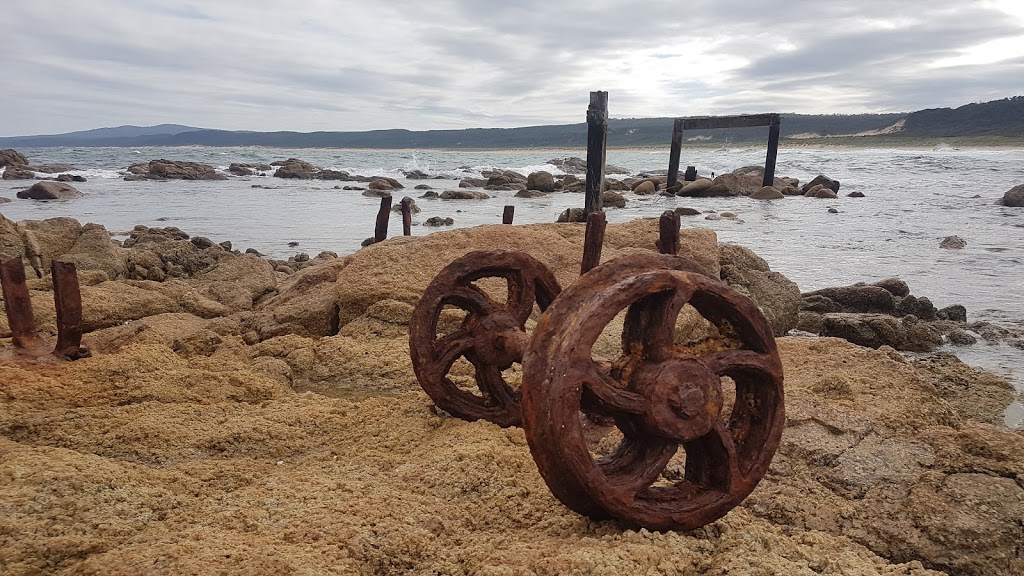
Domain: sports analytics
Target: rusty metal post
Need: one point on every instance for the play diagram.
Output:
(597, 140)
(773, 150)
(380, 232)
(668, 232)
(673, 157)
(508, 214)
(593, 241)
(67, 298)
(406, 206)
(18, 304)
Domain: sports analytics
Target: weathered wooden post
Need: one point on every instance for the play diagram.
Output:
(593, 240)
(380, 231)
(673, 157)
(508, 214)
(597, 140)
(773, 149)
(67, 298)
(18, 304)
(406, 206)
(668, 232)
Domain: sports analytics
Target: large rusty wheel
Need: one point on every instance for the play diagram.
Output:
(660, 395)
(492, 336)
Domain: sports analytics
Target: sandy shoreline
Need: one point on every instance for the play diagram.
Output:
(248, 421)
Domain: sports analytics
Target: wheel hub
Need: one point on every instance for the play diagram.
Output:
(684, 398)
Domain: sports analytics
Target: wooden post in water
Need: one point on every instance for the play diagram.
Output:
(406, 206)
(380, 231)
(673, 157)
(508, 214)
(597, 140)
(593, 240)
(773, 150)
(668, 232)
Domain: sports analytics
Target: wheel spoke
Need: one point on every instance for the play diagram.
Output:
(726, 361)
(598, 381)
(471, 299)
(494, 387)
(635, 465)
(449, 348)
(713, 462)
(651, 322)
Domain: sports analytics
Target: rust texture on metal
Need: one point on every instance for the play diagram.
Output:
(380, 231)
(491, 335)
(507, 214)
(661, 396)
(406, 207)
(597, 147)
(18, 305)
(668, 232)
(593, 241)
(67, 298)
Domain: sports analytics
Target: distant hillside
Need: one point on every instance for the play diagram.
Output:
(998, 118)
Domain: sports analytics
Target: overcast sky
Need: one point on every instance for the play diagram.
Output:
(309, 65)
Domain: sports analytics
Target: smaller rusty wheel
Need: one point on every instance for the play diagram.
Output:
(660, 395)
(492, 336)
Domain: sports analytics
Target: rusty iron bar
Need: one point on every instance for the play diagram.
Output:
(668, 232)
(593, 241)
(508, 214)
(406, 206)
(67, 298)
(664, 397)
(19, 305)
(673, 157)
(773, 151)
(597, 140)
(380, 231)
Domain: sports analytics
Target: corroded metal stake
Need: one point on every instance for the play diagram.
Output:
(67, 298)
(668, 232)
(406, 206)
(380, 231)
(19, 305)
(593, 240)
(508, 214)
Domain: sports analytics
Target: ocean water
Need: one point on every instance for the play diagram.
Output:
(913, 199)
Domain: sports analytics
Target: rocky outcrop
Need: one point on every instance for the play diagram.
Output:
(294, 168)
(11, 157)
(173, 170)
(1014, 197)
(50, 191)
(541, 180)
(953, 243)
(611, 199)
(575, 165)
(439, 221)
(825, 181)
(463, 195)
(767, 193)
(778, 297)
(17, 172)
(879, 314)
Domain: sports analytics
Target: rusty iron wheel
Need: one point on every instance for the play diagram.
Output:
(491, 337)
(661, 396)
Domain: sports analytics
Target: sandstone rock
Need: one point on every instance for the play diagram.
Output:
(413, 208)
(856, 299)
(463, 195)
(472, 183)
(733, 185)
(294, 168)
(175, 170)
(823, 180)
(16, 172)
(530, 194)
(10, 157)
(370, 193)
(823, 192)
(696, 189)
(684, 211)
(541, 180)
(1013, 197)
(953, 243)
(50, 191)
(380, 184)
(613, 200)
(777, 296)
(767, 193)
(571, 215)
(645, 187)
(875, 330)
(439, 221)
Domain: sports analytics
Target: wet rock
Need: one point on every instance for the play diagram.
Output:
(733, 184)
(430, 194)
(174, 170)
(413, 209)
(70, 178)
(4, 200)
(961, 338)
(439, 221)
(613, 200)
(953, 243)
(18, 173)
(875, 330)
(379, 193)
(294, 168)
(823, 180)
(684, 211)
(332, 175)
(415, 174)
(472, 183)
(541, 180)
(778, 297)
(463, 195)
(572, 215)
(50, 191)
(11, 157)
(1014, 197)
(895, 286)
(645, 187)
(855, 194)
(423, 187)
(956, 313)
(767, 193)
(920, 307)
(530, 194)
(380, 184)
(858, 298)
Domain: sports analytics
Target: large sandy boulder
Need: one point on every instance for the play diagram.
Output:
(1014, 197)
(11, 157)
(174, 170)
(778, 297)
(50, 191)
(823, 180)
(541, 180)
